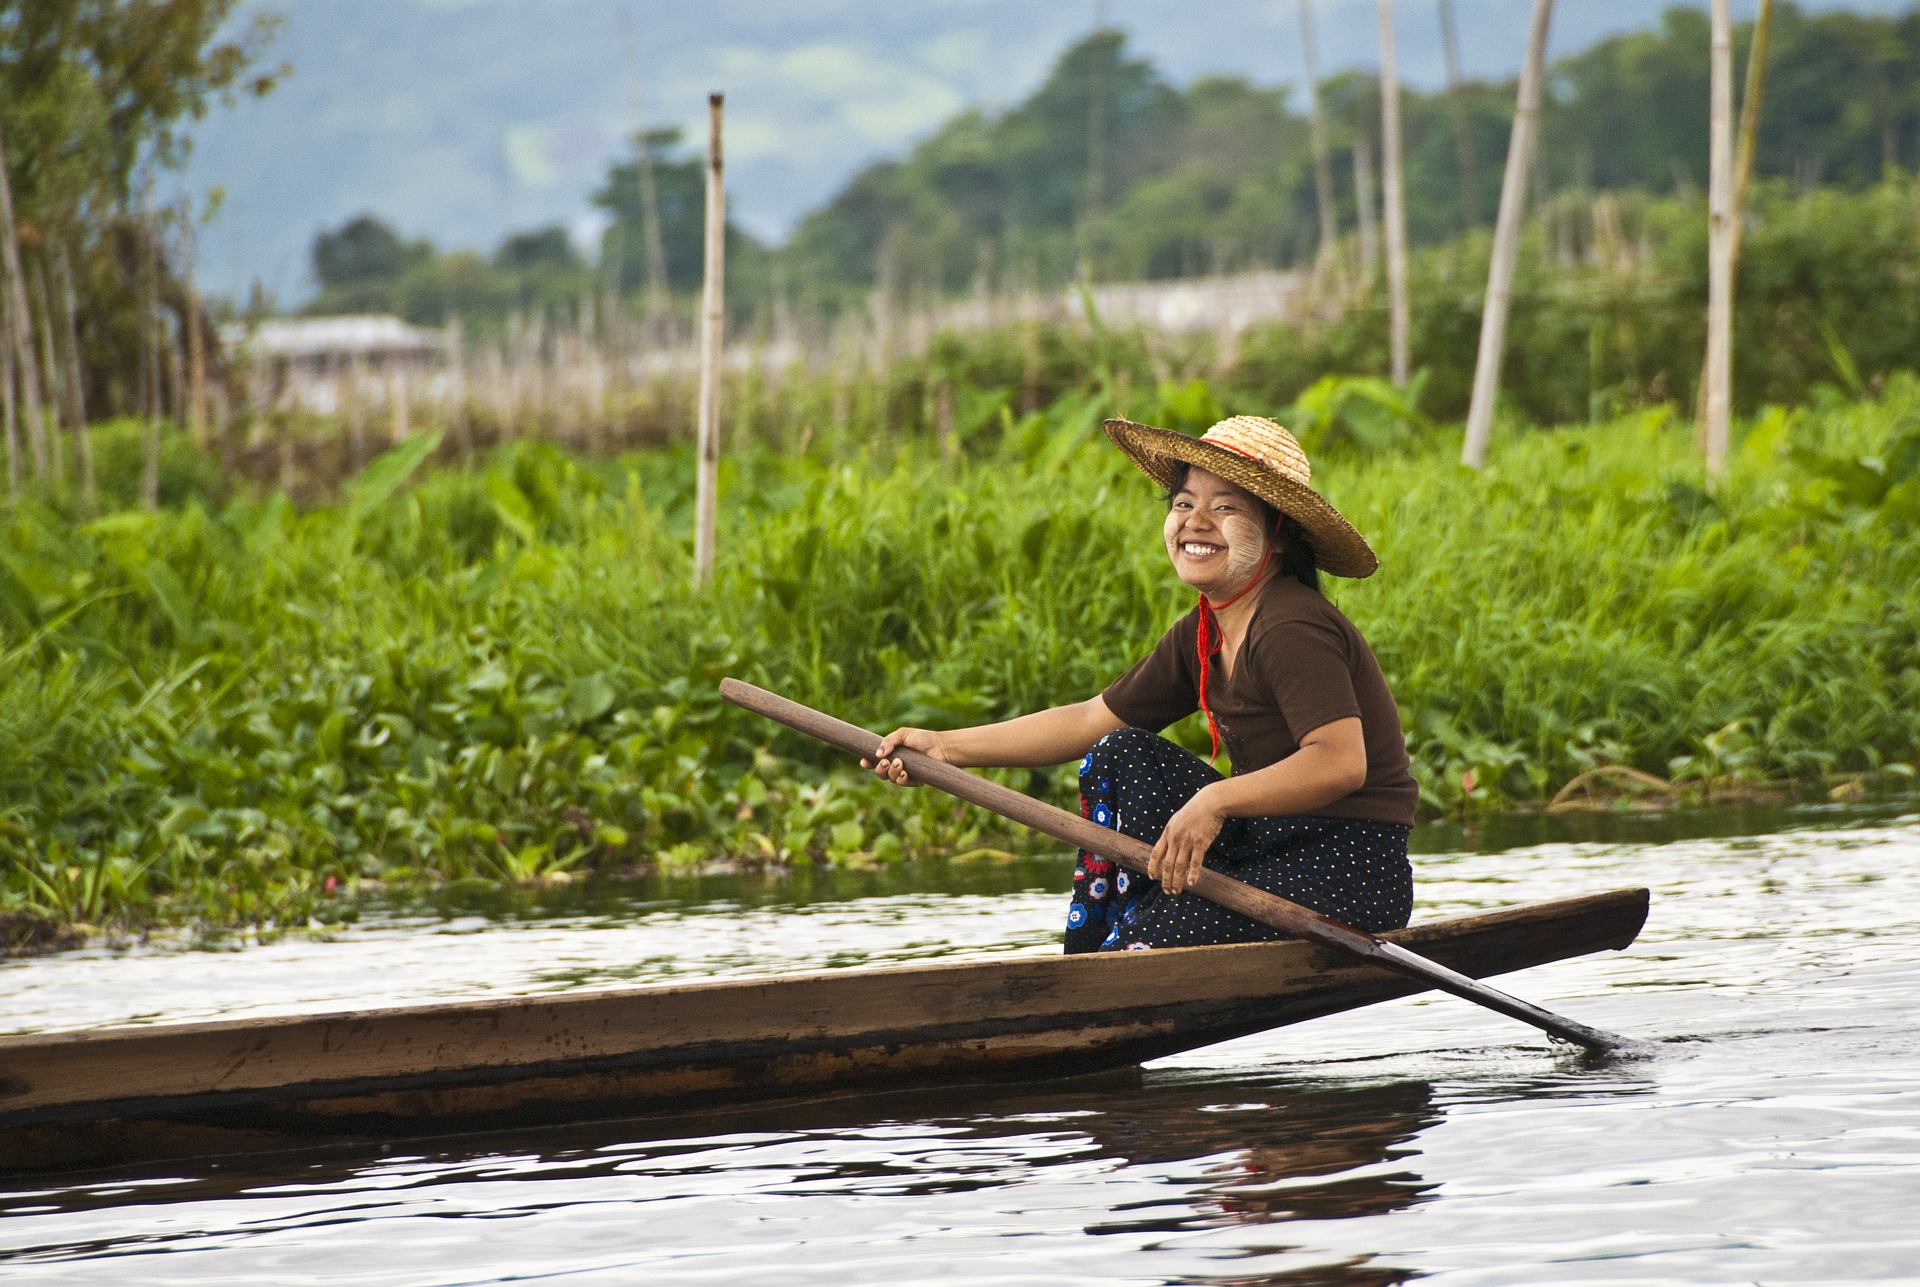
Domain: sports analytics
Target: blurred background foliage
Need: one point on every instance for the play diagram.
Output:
(1215, 176)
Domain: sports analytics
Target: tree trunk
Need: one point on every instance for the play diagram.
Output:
(1506, 240)
(1462, 135)
(1394, 192)
(1327, 260)
(713, 320)
(19, 321)
(1719, 372)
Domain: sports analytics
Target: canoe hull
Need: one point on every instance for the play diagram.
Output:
(661, 1049)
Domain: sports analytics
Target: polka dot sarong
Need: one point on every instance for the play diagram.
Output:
(1351, 869)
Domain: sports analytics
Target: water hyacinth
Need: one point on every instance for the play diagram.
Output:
(241, 715)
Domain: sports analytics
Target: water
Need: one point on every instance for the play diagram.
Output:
(1773, 1134)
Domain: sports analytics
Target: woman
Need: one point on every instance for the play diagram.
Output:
(1321, 800)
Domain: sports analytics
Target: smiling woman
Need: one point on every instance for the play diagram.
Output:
(1321, 799)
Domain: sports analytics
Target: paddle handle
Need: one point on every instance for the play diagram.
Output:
(1235, 895)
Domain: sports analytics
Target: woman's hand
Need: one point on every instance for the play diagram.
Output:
(924, 740)
(1182, 847)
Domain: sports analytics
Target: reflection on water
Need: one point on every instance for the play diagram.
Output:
(1279, 1151)
(1774, 1136)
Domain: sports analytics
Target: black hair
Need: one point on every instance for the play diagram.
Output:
(1291, 542)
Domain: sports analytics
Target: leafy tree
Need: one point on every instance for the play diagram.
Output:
(549, 249)
(94, 94)
(360, 267)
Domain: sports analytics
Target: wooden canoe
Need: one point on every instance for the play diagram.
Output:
(425, 1069)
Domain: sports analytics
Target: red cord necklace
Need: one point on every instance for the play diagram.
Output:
(1209, 640)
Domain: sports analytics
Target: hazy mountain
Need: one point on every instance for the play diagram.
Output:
(461, 119)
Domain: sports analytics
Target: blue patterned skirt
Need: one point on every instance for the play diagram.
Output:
(1351, 869)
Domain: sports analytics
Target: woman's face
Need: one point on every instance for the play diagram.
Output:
(1215, 534)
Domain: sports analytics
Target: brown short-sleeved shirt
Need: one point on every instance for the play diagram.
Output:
(1301, 666)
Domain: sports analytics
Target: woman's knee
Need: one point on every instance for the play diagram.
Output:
(1117, 744)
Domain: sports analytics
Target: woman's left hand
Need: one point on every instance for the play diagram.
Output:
(1182, 847)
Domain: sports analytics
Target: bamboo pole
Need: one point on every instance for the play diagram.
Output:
(1462, 136)
(77, 388)
(1506, 240)
(713, 319)
(1327, 259)
(659, 291)
(1749, 129)
(19, 325)
(1742, 167)
(8, 414)
(196, 368)
(1096, 157)
(49, 365)
(1394, 192)
(147, 294)
(1719, 372)
(1369, 212)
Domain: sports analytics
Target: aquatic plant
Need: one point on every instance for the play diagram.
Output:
(241, 714)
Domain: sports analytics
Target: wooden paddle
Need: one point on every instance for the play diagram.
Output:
(1256, 904)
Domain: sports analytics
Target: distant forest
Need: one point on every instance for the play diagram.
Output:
(1108, 168)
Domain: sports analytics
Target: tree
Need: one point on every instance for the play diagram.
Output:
(94, 94)
(360, 267)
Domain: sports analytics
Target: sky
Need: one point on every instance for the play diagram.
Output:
(459, 120)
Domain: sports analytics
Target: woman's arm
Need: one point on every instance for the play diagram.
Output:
(1331, 762)
(1029, 741)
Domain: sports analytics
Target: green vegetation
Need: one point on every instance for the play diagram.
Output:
(242, 714)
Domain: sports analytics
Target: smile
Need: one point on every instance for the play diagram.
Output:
(1199, 551)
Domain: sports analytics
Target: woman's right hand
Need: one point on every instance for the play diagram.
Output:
(924, 740)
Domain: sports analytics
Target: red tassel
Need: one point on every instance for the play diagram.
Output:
(1209, 639)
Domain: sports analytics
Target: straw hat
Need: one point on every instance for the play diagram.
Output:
(1259, 455)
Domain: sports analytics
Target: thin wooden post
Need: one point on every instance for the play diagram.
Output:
(1369, 211)
(1742, 169)
(76, 375)
(943, 418)
(1506, 240)
(50, 365)
(713, 321)
(1462, 134)
(1719, 372)
(1317, 133)
(19, 322)
(1394, 191)
(7, 414)
(659, 292)
(1096, 158)
(1749, 125)
(147, 294)
(196, 368)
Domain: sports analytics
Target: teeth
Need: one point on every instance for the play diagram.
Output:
(1193, 547)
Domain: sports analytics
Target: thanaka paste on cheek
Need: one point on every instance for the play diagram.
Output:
(1171, 532)
(1246, 545)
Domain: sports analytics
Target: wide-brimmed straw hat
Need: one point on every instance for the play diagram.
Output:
(1257, 454)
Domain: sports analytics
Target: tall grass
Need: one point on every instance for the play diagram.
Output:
(238, 715)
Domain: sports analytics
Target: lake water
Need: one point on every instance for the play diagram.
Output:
(1771, 1136)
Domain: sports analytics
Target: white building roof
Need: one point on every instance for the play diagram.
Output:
(363, 335)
